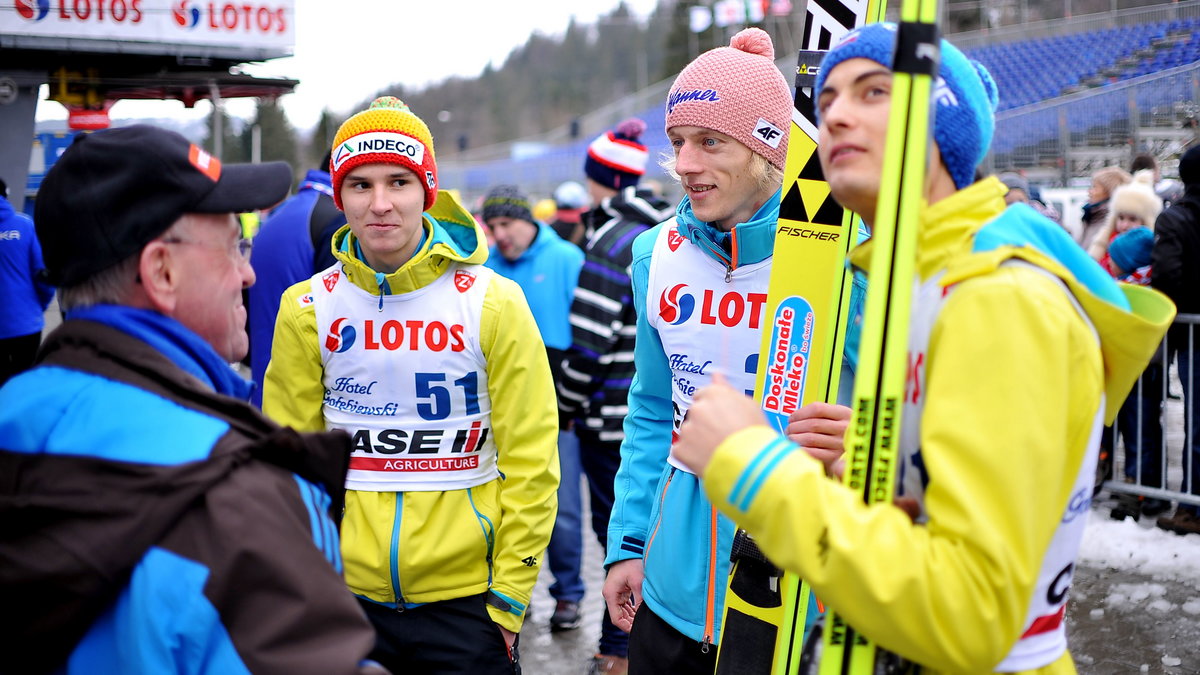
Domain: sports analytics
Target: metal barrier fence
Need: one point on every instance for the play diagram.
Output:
(1167, 471)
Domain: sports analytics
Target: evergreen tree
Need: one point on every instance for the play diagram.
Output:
(231, 150)
(277, 138)
(322, 139)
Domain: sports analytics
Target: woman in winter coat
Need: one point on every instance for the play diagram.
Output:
(1131, 205)
(1104, 183)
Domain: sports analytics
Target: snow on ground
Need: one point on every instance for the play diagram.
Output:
(1127, 546)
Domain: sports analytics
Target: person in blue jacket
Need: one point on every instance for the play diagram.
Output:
(700, 287)
(26, 295)
(546, 267)
(291, 246)
(152, 521)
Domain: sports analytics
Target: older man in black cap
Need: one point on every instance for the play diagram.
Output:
(150, 519)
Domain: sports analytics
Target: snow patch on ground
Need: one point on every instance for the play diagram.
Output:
(1125, 545)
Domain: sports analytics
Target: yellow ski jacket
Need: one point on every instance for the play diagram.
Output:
(1008, 388)
(409, 548)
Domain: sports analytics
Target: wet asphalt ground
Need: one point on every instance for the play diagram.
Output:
(1134, 635)
(1118, 622)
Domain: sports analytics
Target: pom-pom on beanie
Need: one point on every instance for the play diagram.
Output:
(617, 159)
(386, 132)
(965, 93)
(1131, 249)
(507, 201)
(738, 91)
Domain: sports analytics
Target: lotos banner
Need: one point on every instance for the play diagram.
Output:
(172, 23)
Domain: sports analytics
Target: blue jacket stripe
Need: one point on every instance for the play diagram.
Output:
(781, 451)
(314, 517)
(33, 425)
(736, 494)
(173, 630)
(514, 606)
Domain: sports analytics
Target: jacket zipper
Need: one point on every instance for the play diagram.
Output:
(733, 254)
(395, 553)
(661, 498)
(711, 610)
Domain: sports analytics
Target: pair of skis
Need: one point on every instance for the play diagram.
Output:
(769, 614)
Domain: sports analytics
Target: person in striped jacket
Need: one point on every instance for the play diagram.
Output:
(598, 368)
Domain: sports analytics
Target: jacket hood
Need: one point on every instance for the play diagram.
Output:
(971, 233)
(451, 235)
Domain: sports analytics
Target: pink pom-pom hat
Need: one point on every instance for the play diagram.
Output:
(738, 91)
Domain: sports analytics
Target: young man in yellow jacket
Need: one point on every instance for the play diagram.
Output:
(1021, 348)
(434, 365)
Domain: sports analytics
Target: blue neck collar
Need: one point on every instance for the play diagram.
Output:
(745, 244)
(174, 341)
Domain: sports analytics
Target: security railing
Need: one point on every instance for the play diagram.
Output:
(1073, 135)
(1159, 447)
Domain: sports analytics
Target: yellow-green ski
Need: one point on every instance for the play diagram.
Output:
(874, 433)
(766, 612)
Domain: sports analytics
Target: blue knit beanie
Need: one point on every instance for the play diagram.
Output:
(1131, 249)
(965, 93)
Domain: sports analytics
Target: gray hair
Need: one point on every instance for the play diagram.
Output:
(109, 286)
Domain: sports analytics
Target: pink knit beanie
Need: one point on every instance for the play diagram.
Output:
(738, 91)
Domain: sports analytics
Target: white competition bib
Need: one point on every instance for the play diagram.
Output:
(408, 381)
(705, 323)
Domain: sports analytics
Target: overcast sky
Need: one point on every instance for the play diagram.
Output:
(348, 50)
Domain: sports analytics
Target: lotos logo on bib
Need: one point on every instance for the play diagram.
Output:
(675, 308)
(674, 239)
(340, 337)
(463, 280)
(380, 142)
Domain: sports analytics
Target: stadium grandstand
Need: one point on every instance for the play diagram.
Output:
(1083, 84)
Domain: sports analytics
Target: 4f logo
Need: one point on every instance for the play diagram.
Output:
(944, 95)
(430, 180)
(768, 133)
(463, 280)
(530, 561)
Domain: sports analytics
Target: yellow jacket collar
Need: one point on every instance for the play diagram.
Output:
(947, 226)
(451, 235)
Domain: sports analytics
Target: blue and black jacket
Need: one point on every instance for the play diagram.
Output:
(152, 522)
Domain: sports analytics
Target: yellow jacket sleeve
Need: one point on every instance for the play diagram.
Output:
(293, 388)
(1013, 381)
(525, 424)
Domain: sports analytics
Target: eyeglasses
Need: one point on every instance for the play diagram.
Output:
(243, 246)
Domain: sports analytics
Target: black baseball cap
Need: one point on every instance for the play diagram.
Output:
(114, 191)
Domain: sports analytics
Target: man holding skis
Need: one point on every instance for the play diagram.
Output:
(1021, 347)
(700, 287)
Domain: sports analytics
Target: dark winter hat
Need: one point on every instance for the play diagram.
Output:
(1189, 167)
(965, 93)
(113, 191)
(506, 201)
(618, 159)
(1131, 249)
